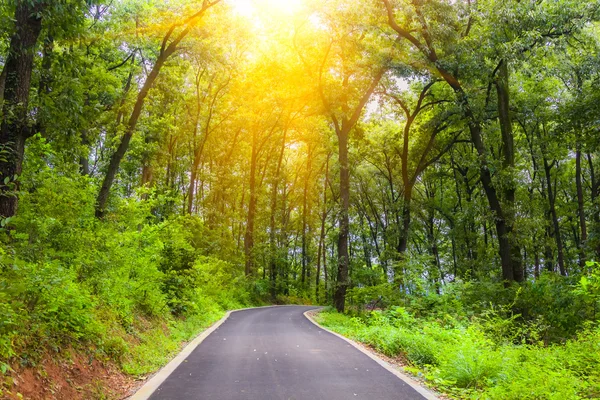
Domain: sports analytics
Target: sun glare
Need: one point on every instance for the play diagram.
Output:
(249, 8)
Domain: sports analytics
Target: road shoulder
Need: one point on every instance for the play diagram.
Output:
(157, 379)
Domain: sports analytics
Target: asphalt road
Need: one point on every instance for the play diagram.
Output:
(277, 354)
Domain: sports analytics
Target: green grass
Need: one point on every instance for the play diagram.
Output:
(160, 344)
(462, 361)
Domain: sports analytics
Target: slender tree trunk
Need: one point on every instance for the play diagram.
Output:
(192, 188)
(167, 49)
(84, 162)
(272, 236)
(196, 161)
(594, 196)
(321, 251)
(554, 216)
(503, 225)
(438, 277)
(272, 239)
(304, 224)
(2, 84)
(508, 164)
(15, 127)
(404, 234)
(503, 229)
(581, 207)
(325, 273)
(117, 156)
(406, 217)
(249, 236)
(342, 283)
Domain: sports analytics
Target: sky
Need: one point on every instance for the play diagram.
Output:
(249, 7)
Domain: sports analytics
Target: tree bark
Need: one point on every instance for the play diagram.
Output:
(2, 85)
(508, 165)
(272, 236)
(343, 133)
(580, 206)
(305, 258)
(339, 297)
(15, 127)
(117, 156)
(554, 216)
(249, 236)
(322, 250)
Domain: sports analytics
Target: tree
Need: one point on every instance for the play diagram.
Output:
(16, 126)
(168, 47)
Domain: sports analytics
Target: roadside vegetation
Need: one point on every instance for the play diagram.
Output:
(480, 341)
(122, 291)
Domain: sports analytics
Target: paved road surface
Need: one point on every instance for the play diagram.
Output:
(277, 354)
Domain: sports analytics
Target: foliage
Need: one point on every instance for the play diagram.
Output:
(132, 291)
(467, 360)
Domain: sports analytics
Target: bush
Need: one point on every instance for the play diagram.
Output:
(467, 361)
(129, 288)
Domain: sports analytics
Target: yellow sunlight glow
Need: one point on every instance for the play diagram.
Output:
(249, 8)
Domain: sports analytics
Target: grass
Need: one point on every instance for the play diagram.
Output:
(464, 362)
(158, 345)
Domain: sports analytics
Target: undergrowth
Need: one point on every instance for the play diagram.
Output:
(129, 290)
(467, 361)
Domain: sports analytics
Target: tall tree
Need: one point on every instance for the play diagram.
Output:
(16, 126)
(170, 43)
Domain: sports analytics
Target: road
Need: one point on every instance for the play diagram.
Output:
(277, 354)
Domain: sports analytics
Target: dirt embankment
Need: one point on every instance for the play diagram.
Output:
(73, 377)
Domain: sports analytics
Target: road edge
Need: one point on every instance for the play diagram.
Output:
(426, 393)
(158, 378)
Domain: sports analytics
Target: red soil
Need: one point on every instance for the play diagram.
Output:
(74, 378)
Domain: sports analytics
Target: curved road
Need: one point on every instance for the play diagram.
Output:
(275, 353)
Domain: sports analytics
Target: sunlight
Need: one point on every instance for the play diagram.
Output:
(249, 7)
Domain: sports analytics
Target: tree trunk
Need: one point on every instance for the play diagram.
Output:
(580, 206)
(508, 165)
(322, 250)
(305, 258)
(403, 239)
(2, 84)
(554, 216)
(249, 236)
(167, 49)
(117, 156)
(272, 236)
(505, 245)
(84, 162)
(503, 227)
(15, 129)
(272, 241)
(342, 283)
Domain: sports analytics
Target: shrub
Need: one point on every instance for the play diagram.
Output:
(464, 360)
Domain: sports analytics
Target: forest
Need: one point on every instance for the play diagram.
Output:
(429, 170)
